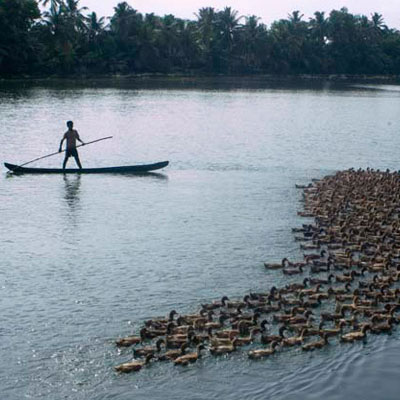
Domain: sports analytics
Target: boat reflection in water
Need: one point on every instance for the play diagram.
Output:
(72, 190)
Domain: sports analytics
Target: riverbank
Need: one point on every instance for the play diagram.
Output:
(193, 80)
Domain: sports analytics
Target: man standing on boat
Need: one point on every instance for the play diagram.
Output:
(71, 136)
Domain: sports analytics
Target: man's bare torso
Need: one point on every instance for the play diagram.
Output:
(71, 136)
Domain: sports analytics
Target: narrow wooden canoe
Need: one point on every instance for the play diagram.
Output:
(129, 169)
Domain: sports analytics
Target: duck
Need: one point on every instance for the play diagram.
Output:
(293, 271)
(352, 321)
(313, 257)
(265, 296)
(176, 341)
(219, 350)
(382, 327)
(171, 355)
(145, 351)
(131, 340)
(315, 269)
(332, 331)
(296, 286)
(260, 353)
(215, 304)
(318, 281)
(178, 329)
(382, 315)
(317, 344)
(253, 301)
(308, 292)
(216, 324)
(190, 357)
(190, 319)
(355, 335)
(249, 320)
(346, 278)
(340, 290)
(242, 329)
(284, 317)
(292, 301)
(319, 296)
(152, 333)
(244, 340)
(166, 320)
(265, 339)
(298, 328)
(269, 308)
(326, 316)
(133, 366)
(159, 324)
(179, 336)
(234, 304)
(384, 296)
(294, 340)
(300, 319)
(311, 246)
(216, 341)
(276, 265)
(348, 296)
(230, 313)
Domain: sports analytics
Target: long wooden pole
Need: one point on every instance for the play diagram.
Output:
(58, 152)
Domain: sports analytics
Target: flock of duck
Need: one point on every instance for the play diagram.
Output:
(348, 287)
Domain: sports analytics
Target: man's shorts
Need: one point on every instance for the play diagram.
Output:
(71, 153)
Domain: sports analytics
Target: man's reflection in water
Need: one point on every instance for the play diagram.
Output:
(72, 188)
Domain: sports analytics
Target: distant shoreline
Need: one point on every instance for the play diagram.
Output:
(199, 78)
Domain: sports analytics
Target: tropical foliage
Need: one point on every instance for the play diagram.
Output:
(60, 37)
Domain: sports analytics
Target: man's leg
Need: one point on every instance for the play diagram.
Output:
(65, 160)
(76, 156)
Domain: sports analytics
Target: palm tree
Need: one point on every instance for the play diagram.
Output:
(78, 20)
(297, 42)
(17, 43)
(169, 39)
(53, 3)
(378, 21)
(295, 17)
(228, 22)
(378, 24)
(94, 26)
(125, 21)
(319, 27)
(253, 44)
(61, 38)
(189, 45)
(343, 33)
(206, 26)
(319, 43)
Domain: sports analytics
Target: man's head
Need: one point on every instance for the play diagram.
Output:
(70, 124)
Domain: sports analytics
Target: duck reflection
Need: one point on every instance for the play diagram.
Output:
(72, 190)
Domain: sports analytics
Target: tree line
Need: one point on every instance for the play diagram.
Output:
(58, 37)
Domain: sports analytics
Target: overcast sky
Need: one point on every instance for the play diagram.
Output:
(268, 10)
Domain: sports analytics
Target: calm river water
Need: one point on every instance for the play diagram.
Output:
(85, 259)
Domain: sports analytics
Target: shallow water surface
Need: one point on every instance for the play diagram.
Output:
(86, 259)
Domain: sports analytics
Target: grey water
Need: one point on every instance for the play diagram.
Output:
(86, 259)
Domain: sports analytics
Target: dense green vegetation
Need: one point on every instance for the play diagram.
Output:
(58, 37)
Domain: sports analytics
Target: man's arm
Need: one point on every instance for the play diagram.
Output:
(61, 143)
(78, 138)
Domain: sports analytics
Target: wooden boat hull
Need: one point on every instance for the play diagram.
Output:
(129, 169)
